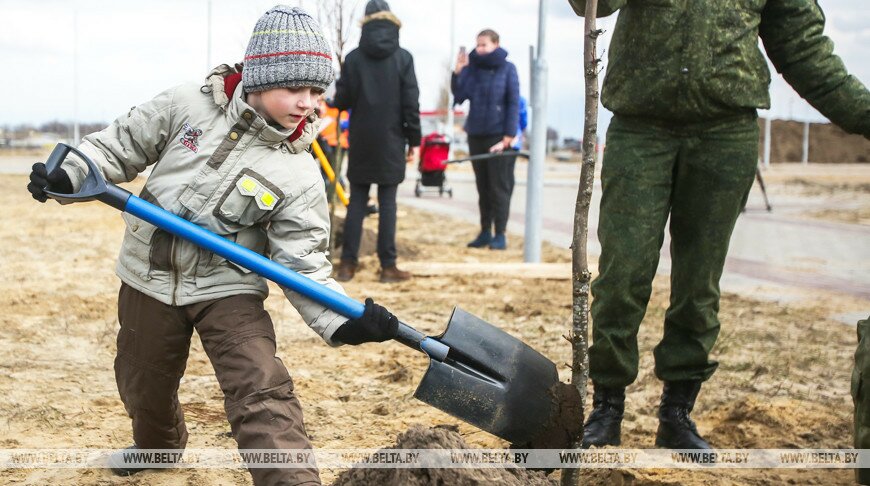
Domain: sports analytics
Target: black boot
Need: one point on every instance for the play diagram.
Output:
(119, 464)
(604, 426)
(676, 429)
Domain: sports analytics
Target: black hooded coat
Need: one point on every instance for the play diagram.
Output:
(379, 87)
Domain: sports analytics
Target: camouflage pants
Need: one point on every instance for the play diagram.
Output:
(861, 395)
(699, 175)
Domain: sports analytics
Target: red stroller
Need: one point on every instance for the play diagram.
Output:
(434, 152)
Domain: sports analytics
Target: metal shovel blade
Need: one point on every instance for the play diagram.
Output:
(490, 379)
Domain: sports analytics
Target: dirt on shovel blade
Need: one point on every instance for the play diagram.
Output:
(565, 421)
(440, 437)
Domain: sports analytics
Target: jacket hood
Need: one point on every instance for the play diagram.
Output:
(380, 35)
(215, 83)
(383, 15)
(492, 60)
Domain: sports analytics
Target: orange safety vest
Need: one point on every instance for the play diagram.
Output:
(329, 133)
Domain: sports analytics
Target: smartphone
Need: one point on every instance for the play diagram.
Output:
(461, 50)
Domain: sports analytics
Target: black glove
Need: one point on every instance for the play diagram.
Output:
(376, 325)
(40, 180)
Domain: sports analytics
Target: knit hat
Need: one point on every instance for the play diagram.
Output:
(287, 49)
(375, 6)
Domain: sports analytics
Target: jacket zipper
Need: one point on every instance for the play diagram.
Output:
(175, 278)
(174, 281)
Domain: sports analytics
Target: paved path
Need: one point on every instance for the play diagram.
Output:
(775, 251)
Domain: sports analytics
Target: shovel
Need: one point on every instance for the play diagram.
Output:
(477, 372)
(490, 155)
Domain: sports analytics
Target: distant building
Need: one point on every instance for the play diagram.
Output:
(572, 144)
(35, 140)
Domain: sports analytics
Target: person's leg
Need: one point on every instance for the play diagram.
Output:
(861, 396)
(152, 351)
(502, 184)
(479, 146)
(387, 224)
(636, 183)
(387, 253)
(714, 173)
(353, 226)
(239, 339)
(636, 192)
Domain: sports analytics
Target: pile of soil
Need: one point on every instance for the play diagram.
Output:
(828, 143)
(444, 437)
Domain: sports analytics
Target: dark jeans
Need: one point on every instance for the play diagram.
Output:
(495, 183)
(353, 223)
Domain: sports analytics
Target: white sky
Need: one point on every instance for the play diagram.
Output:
(130, 51)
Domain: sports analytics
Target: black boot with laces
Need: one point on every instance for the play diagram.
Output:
(604, 426)
(676, 428)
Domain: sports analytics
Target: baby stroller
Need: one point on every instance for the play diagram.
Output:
(434, 152)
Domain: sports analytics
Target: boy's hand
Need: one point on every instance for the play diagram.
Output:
(376, 325)
(40, 180)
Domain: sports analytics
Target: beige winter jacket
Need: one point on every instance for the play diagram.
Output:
(218, 164)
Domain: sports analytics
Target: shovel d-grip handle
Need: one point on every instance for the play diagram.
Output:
(92, 187)
(96, 187)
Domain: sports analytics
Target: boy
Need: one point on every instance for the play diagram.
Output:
(231, 157)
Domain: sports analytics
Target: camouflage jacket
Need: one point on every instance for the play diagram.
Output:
(693, 60)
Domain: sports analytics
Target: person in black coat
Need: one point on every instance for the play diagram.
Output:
(379, 86)
(490, 82)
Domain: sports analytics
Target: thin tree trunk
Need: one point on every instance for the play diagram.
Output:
(581, 276)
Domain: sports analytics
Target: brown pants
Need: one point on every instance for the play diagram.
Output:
(239, 339)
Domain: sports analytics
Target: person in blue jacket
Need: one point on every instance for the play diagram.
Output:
(522, 123)
(490, 82)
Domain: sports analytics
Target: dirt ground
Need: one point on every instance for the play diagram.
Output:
(783, 381)
(828, 143)
(842, 191)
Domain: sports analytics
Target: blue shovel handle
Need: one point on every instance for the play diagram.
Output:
(95, 187)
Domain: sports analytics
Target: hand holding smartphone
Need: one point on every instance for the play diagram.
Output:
(461, 60)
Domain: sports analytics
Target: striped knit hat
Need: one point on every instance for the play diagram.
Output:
(287, 49)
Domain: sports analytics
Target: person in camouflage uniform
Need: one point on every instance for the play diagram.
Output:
(684, 81)
(861, 395)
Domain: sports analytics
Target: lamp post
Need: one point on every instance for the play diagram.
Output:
(538, 142)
